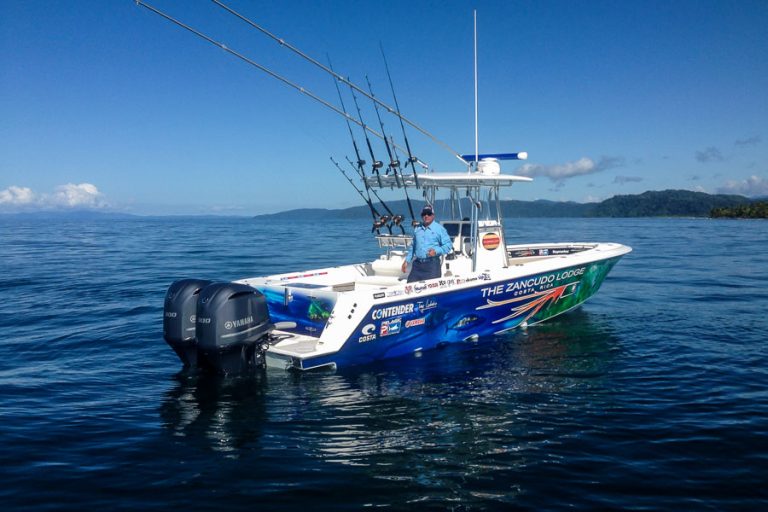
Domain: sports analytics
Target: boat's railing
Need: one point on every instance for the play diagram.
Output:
(394, 241)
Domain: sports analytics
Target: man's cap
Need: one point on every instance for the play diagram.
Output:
(427, 210)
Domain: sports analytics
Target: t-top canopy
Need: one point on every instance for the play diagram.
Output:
(448, 179)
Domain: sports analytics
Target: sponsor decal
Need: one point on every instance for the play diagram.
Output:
(425, 305)
(415, 322)
(369, 333)
(537, 283)
(395, 293)
(390, 327)
(491, 241)
(418, 288)
(523, 253)
(240, 322)
(382, 313)
(543, 252)
(379, 295)
(485, 276)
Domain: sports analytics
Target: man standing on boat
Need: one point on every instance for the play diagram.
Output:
(430, 241)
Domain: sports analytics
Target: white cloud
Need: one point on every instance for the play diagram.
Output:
(14, 195)
(581, 167)
(84, 195)
(69, 196)
(752, 186)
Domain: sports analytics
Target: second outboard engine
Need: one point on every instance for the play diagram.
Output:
(179, 314)
(233, 326)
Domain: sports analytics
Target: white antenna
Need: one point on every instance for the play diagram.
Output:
(476, 144)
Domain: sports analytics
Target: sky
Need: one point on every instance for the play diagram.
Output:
(105, 105)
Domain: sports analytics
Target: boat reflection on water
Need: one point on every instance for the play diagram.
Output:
(214, 412)
(465, 407)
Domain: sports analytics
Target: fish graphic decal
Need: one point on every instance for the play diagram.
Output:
(466, 322)
(318, 311)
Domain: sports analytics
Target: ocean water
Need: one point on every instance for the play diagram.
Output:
(651, 396)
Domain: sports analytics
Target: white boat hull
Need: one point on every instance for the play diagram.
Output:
(349, 315)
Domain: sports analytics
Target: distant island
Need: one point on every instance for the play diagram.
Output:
(665, 203)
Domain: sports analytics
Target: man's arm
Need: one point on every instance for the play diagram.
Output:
(411, 248)
(446, 244)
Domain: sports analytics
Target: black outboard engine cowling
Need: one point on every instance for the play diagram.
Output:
(179, 315)
(233, 326)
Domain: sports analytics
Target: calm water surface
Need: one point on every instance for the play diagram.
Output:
(652, 396)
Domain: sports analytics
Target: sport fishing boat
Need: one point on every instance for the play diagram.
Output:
(363, 312)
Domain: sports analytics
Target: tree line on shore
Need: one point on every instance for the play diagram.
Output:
(756, 210)
(664, 203)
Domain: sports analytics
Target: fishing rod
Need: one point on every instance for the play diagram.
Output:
(285, 44)
(391, 218)
(378, 219)
(411, 159)
(255, 64)
(360, 161)
(376, 164)
(394, 163)
(373, 209)
(396, 168)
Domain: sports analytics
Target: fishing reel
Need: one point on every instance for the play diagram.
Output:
(397, 221)
(380, 223)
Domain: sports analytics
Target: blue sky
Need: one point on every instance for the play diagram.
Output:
(105, 105)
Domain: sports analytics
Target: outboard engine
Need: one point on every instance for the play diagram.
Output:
(179, 315)
(233, 327)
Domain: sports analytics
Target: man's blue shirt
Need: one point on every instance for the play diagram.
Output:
(432, 237)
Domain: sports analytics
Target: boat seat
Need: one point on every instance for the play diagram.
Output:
(389, 266)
